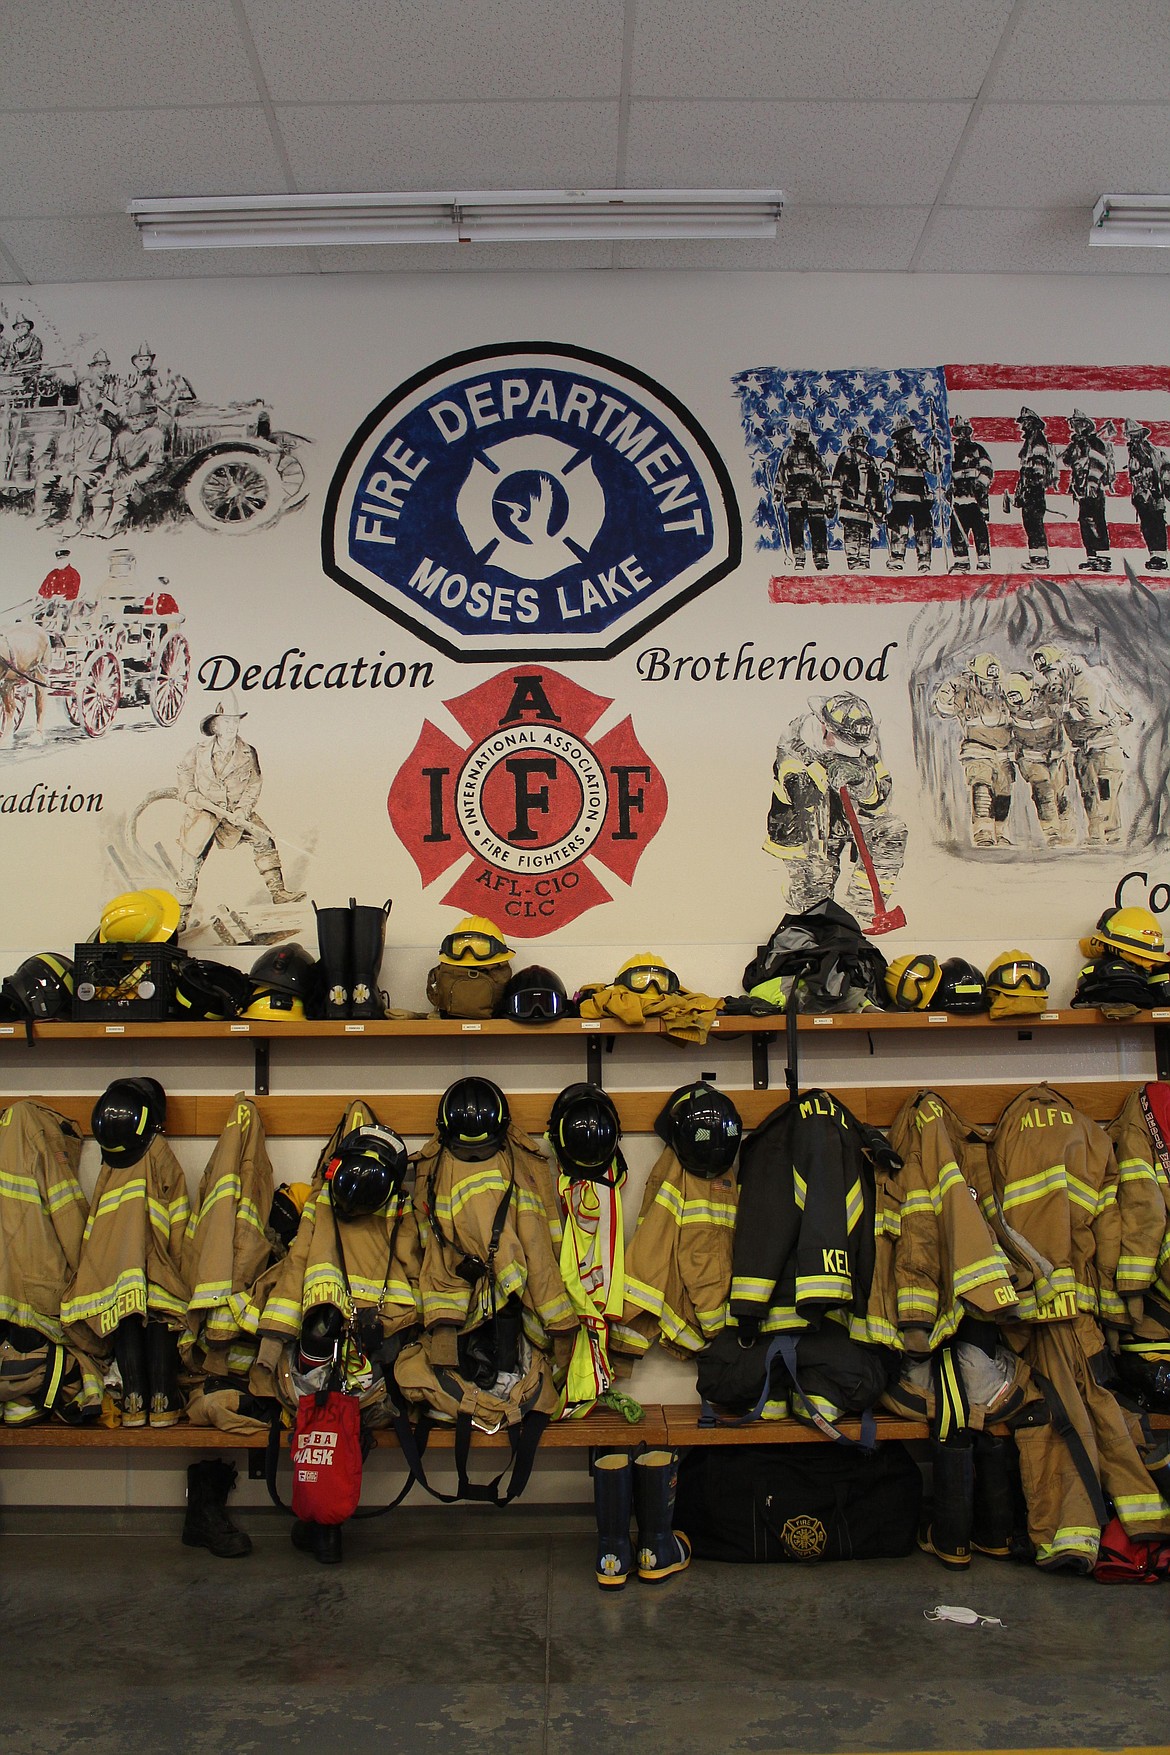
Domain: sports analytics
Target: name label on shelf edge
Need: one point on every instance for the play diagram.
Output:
(115, 1029)
(1160, 1012)
(937, 1017)
(1049, 1017)
(469, 1029)
(591, 1023)
(824, 1020)
(240, 1029)
(355, 1029)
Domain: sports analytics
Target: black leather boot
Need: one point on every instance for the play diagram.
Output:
(321, 1540)
(162, 1373)
(369, 942)
(948, 1535)
(130, 1354)
(207, 1524)
(335, 944)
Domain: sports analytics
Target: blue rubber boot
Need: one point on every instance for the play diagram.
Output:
(613, 1491)
(662, 1550)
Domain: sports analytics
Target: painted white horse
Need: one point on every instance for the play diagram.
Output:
(24, 654)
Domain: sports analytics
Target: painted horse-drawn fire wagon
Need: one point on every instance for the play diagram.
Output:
(97, 655)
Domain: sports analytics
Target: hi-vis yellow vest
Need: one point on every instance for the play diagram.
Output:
(593, 1269)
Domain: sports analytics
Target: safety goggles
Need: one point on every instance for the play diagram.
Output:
(536, 1007)
(1011, 977)
(647, 976)
(473, 947)
(916, 984)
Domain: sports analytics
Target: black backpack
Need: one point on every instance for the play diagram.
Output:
(826, 950)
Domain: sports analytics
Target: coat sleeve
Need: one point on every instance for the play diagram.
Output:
(1142, 1209)
(1101, 1167)
(916, 1253)
(706, 1243)
(654, 1288)
(766, 1228)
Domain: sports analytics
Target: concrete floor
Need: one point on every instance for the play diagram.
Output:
(485, 1630)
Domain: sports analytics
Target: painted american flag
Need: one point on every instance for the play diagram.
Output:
(835, 401)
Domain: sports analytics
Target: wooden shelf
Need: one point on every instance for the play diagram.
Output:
(257, 1030)
(598, 1430)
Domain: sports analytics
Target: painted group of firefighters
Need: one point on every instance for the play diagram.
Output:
(894, 493)
(1057, 728)
(88, 470)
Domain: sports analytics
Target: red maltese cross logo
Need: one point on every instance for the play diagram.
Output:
(532, 805)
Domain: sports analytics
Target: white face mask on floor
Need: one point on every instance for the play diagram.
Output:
(965, 1617)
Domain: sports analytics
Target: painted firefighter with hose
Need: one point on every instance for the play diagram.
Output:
(831, 798)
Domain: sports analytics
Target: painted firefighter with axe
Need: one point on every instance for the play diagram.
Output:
(830, 797)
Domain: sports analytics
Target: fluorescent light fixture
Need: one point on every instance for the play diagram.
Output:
(1134, 222)
(225, 222)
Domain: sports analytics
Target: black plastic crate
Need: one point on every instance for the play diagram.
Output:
(124, 983)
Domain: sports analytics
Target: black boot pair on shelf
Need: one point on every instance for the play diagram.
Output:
(645, 1485)
(147, 1355)
(351, 942)
(974, 1500)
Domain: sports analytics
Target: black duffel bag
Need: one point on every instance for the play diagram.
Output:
(802, 1502)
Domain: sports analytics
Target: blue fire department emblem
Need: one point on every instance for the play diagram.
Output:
(529, 501)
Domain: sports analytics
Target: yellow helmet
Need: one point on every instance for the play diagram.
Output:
(140, 917)
(277, 1008)
(1047, 657)
(475, 941)
(982, 666)
(1133, 933)
(911, 981)
(1016, 682)
(645, 971)
(298, 1193)
(1015, 972)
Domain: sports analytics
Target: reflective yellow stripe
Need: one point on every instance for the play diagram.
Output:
(746, 1290)
(1030, 1188)
(854, 1207)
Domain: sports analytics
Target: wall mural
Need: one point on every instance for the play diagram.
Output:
(83, 654)
(832, 818)
(530, 499)
(906, 484)
(91, 449)
(212, 809)
(1039, 718)
(535, 799)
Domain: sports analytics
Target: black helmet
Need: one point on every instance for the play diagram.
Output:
(284, 969)
(702, 1127)
(584, 1131)
(43, 986)
(1116, 981)
(534, 996)
(473, 1119)
(127, 1117)
(206, 989)
(368, 1169)
(322, 1329)
(961, 988)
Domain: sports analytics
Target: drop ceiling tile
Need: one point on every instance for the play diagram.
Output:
(444, 146)
(95, 161)
(1043, 240)
(833, 49)
(810, 238)
(373, 50)
(1083, 49)
(1062, 155)
(107, 247)
(463, 258)
(819, 154)
(61, 53)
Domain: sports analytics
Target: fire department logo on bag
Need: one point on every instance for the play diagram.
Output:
(804, 1537)
(530, 499)
(533, 797)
